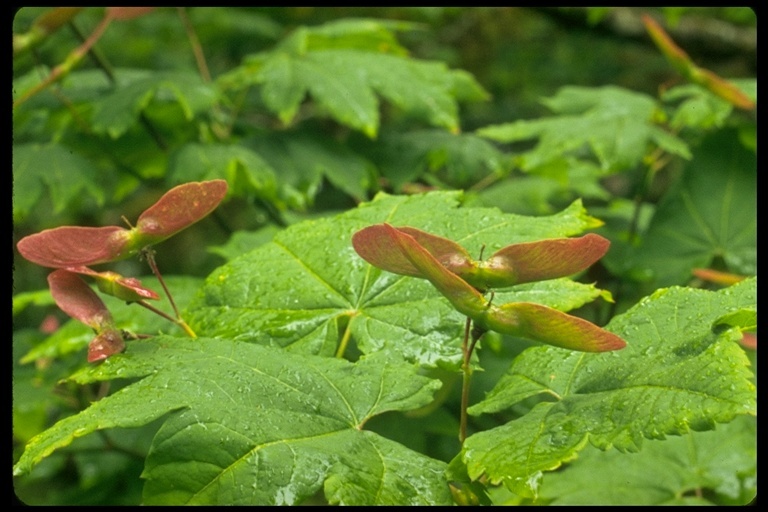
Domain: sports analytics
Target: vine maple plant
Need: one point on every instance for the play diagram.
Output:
(249, 406)
(368, 303)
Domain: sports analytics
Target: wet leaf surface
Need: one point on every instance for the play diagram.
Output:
(255, 425)
(681, 371)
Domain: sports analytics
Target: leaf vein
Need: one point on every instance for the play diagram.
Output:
(313, 273)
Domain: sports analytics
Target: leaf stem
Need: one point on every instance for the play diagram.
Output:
(467, 373)
(149, 255)
(344, 340)
(94, 53)
(197, 49)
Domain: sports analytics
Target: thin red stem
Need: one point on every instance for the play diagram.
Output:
(150, 257)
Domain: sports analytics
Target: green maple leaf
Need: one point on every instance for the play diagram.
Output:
(116, 112)
(709, 217)
(682, 370)
(315, 300)
(344, 67)
(615, 124)
(66, 175)
(670, 472)
(254, 425)
(305, 159)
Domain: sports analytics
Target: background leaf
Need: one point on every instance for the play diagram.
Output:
(281, 294)
(615, 125)
(709, 219)
(245, 171)
(704, 468)
(456, 159)
(345, 76)
(678, 372)
(291, 423)
(305, 159)
(117, 111)
(244, 241)
(63, 173)
(698, 107)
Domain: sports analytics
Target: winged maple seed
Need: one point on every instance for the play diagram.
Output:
(75, 246)
(450, 269)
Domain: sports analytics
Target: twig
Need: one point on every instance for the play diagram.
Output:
(197, 49)
(70, 62)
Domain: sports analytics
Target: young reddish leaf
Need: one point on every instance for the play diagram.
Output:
(76, 299)
(53, 19)
(715, 276)
(538, 261)
(72, 246)
(128, 289)
(676, 55)
(127, 13)
(721, 87)
(49, 325)
(749, 340)
(105, 344)
(541, 323)
(376, 245)
(461, 295)
(683, 63)
(178, 209)
(450, 254)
